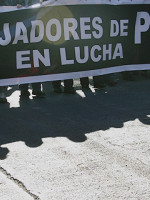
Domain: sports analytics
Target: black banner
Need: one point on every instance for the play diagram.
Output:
(62, 42)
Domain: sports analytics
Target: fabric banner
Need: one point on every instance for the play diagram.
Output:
(72, 41)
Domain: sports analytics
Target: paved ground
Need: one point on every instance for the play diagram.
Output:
(94, 145)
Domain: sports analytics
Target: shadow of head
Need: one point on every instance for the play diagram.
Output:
(145, 119)
(33, 143)
(77, 138)
(3, 153)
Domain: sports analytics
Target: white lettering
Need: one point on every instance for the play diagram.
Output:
(70, 29)
(21, 56)
(93, 57)
(21, 33)
(139, 27)
(78, 56)
(7, 35)
(123, 27)
(63, 56)
(107, 52)
(37, 57)
(118, 51)
(96, 24)
(56, 32)
(84, 28)
(114, 28)
(34, 25)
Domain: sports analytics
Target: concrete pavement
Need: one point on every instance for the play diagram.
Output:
(92, 145)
